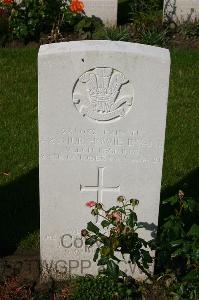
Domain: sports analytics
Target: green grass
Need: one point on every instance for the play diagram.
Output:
(18, 102)
(19, 203)
(182, 133)
(19, 200)
(31, 241)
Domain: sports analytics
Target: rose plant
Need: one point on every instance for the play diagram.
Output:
(117, 238)
(178, 240)
(5, 11)
(28, 19)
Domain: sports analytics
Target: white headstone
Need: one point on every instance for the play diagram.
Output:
(102, 117)
(181, 11)
(106, 10)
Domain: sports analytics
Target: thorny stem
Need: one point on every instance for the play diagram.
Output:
(103, 217)
(143, 269)
(179, 212)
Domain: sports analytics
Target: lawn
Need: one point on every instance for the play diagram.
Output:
(19, 200)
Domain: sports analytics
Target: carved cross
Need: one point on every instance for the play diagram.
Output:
(100, 188)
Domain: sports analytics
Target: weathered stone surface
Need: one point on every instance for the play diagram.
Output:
(102, 117)
(181, 11)
(106, 10)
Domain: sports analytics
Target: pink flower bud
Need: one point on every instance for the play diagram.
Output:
(117, 216)
(90, 203)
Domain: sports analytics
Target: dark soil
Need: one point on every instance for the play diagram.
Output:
(20, 277)
(181, 42)
(176, 41)
(23, 264)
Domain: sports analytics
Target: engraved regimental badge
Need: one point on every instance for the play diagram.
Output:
(103, 94)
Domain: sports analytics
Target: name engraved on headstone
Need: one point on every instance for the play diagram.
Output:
(106, 146)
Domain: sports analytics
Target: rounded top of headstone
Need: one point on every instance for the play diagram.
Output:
(106, 46)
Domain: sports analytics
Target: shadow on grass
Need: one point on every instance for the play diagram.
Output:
(19, 206)
(123, 11)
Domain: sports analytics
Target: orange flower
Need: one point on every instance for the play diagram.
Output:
(8, 2)
(77, 6)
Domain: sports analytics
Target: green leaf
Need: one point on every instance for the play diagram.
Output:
(93, 228)
(105, 223)
(134, 256)
(113, 208)
(114, 243)
(115, 258)
(189, 204)
(91, 240)
(144, 243)
(178, 252)
(176, 243)
(129, 292)
(102, 261)
(172, 201)
(194, 230)
(96, 254)
(192, 276)
(132, 219)
(105, 251)
(146, 258)
(121, 210)
(112, 269)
